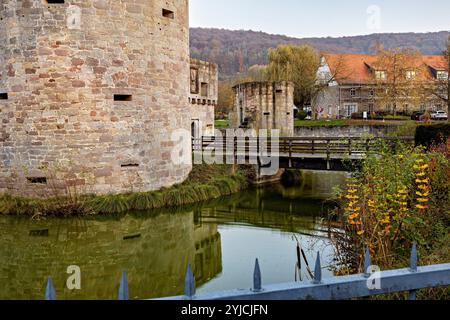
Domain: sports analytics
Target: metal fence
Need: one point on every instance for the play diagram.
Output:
(335, 288)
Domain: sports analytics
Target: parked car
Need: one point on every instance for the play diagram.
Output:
(417, 115)
(439, 115)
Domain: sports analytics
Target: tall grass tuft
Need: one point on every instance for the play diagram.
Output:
(205, 183)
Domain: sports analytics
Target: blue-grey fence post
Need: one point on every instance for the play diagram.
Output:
(413, 268)
(123, 288)
(367, 263)
(50, 293)
(318, 270)
(257, 283)
(189, 283)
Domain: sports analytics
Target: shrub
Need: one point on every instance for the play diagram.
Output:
(428, 136)
(302, 114)
(396, 198)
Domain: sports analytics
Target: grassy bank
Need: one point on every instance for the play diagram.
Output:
(350, 122)
(222, 124)
(204, 183)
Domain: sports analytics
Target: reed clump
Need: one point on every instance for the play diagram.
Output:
(205, 183)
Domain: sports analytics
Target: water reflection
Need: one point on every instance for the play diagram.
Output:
(220, 239)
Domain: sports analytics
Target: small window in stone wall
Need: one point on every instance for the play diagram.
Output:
(204, 89)
(130, 165)
(37, 180)
(55, 1)
(194, 81)
(168, 14)
(3, 96)
(123, 97)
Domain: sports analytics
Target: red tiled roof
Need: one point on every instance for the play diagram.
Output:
(358, 68)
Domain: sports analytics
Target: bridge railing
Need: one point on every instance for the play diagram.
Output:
(368, 284)
(295, 147)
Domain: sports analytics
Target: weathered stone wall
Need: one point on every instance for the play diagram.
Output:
(204, 90)
(61, 67)
(264, 105)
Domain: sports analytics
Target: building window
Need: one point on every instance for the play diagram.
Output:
(350, 108)
(442, 75)
(194, 81)
(410, 75)
(3, 96)
(371, 93)
(204, 88)
(405, 108)
(37, 180)
(168, 14)
(55, 1)
(380, 75)
(353, 92)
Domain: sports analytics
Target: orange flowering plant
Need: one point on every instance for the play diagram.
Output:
(390, 202)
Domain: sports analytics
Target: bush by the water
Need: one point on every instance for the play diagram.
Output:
(302, 114)
(428, 136)
(396, 198)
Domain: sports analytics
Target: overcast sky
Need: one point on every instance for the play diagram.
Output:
(321, 18)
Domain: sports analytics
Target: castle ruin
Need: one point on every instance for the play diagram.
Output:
(90, 92)
(204, 87)
(264, 105)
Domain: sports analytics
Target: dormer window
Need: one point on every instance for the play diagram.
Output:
(380, 75)
(442, 75)
(410, 75)
(353, 92)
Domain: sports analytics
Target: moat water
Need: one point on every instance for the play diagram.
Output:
(221, 239)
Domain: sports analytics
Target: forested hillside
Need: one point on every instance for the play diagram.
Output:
(235, 51)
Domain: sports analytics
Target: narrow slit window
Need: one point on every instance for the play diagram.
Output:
(130, 165)
(168, 14)
(3, 96)
(37, 180)
(204, 89)
(123, 97)
(55, 1)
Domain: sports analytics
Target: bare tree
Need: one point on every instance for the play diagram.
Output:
(398, 77)
(329, 73)
(441, 89)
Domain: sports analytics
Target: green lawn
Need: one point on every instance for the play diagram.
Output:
(222, 124)
(349, 122)
(319, 123)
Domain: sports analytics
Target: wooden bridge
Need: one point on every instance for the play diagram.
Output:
(291, 152)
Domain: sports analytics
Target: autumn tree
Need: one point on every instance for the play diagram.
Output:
(225, 99)
(257, 73)
(397, 74)
(298, 64)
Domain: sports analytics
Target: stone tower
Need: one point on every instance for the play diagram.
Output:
(90, 93)
(264, 105)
